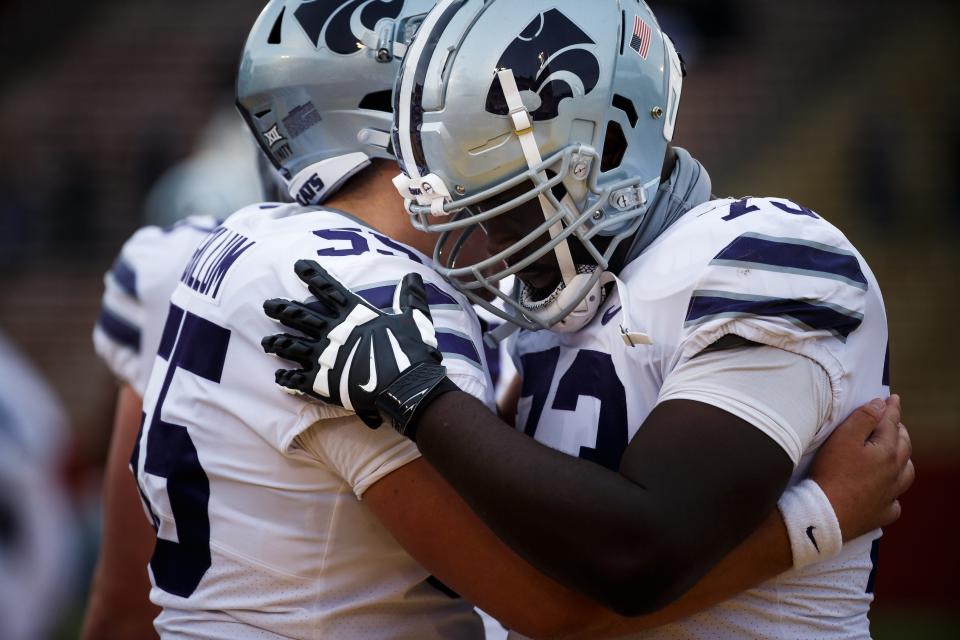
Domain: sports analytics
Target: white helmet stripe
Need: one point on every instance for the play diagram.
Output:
(419, 55)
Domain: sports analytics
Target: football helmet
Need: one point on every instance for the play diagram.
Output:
(315, 85)
(567, 103)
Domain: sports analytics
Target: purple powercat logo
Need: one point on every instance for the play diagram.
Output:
(550, 58)
(329, 22)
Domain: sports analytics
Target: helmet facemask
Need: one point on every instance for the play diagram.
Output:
(563, 230)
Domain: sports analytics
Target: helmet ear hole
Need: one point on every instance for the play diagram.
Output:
(626, 105)
(614, 147)
(378, 101)
(275, 33)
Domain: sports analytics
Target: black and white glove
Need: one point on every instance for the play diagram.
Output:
(356, 356)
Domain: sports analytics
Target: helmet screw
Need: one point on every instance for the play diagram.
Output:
(383, 55)
(427, 187)
(580, 170)
(461, 189)
(597, 215)
(656, 112)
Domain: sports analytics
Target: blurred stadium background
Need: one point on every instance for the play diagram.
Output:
(850, 108)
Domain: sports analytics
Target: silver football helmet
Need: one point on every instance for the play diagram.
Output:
(567, 103)
(315, 86)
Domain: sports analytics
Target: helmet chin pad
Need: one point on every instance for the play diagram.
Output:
(583, 290)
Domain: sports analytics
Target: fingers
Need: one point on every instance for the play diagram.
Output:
(894, 510)
(411, 299)
(904, 444)
(321, 284)
(887, 431)
(290, 348)
(892, 408)
(907, 476)
(412, 294)
(892, 514)
(295, 380)
(297, 316)
(862, 422)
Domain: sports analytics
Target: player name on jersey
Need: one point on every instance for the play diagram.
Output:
(212, 260)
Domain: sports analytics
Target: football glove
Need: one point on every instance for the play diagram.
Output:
(356, 356)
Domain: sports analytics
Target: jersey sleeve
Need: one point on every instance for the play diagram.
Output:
(118, 333)
(362, 456)
(359, 455)
(792, 282)
(785, 395)
(136, 296)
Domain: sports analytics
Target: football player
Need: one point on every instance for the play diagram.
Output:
(694, 353)
(259, 525)
(133, 309)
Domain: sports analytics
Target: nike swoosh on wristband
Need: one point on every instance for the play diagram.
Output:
(609, 313)
(812, 539)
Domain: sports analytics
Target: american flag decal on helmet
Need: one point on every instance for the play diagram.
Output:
(641, 37)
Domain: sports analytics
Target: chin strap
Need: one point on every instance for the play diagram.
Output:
(523, 127)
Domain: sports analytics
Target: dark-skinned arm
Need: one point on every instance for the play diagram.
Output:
(633, 541)
(694, 481)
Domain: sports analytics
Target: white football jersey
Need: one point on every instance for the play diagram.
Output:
(499, 361)
(137, 294)
(257, 536)
(773, 273)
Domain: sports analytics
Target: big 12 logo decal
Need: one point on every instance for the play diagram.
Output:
(332, 19)
(538, 67)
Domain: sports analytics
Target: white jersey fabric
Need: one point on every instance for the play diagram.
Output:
(785, 395)
(261, 533)
(499, 361)
(136, 296)
(775, 274)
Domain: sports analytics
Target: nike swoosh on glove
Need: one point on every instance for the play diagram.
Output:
(359, 357)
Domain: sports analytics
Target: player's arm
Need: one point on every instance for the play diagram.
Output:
(435, 525)
(507, 405)
(849, 467)
(604, 533)
(429, 519)
(119, 604)
(608, 536)
(517, 485)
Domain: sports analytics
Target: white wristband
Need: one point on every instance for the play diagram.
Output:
(811, 524)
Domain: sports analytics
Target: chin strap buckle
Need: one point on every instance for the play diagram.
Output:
(629, 198)
(428, 191)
